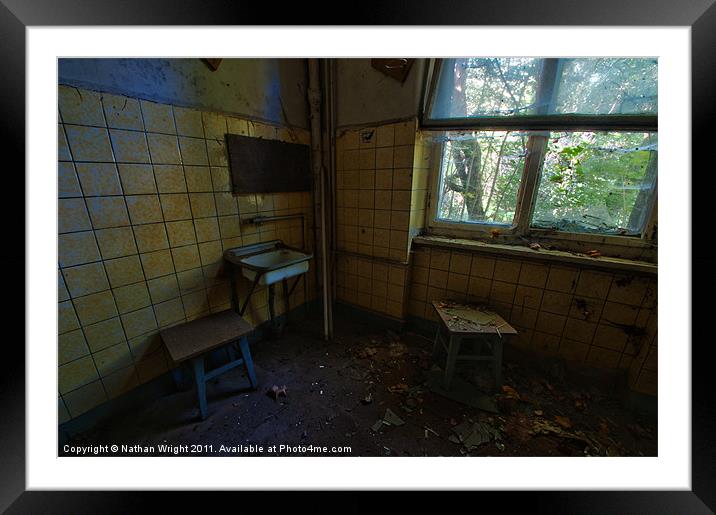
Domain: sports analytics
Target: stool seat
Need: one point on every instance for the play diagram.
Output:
(192, 341)
(463, 321)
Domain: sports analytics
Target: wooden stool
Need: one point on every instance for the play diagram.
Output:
(468, 321)
(193, 340)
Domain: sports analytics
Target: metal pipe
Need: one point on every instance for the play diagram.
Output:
(314, 101)
(331, 125)
(262, 219)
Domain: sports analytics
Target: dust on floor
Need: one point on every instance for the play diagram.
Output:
(367, 391)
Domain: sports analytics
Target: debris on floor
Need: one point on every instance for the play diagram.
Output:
(473, 434)
(379, 393)
(276, 391)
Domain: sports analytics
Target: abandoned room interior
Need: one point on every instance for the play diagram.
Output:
(358, 257)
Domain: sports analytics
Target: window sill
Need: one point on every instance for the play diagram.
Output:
(518, 251)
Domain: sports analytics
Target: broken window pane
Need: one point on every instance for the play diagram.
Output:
(607, 86)
(597, 182)
(480, 176)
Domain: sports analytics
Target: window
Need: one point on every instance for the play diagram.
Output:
(544, 146)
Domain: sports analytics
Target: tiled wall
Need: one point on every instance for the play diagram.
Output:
(379, 170)
(145, 213)
(596, 318)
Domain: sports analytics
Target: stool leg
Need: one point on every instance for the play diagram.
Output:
(453, 349)
(497, 362)
(178, 377)
(248, 362)
(436, 343)
(231, 351)
(198, 364)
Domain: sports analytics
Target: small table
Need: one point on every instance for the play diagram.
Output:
(193, 340)
(463, 321)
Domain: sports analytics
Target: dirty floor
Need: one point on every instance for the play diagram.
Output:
(369, 391)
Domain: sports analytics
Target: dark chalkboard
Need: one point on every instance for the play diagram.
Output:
(268, 166)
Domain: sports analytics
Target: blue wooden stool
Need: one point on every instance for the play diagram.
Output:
(193, 340)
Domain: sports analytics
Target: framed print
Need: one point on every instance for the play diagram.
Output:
(463, 291)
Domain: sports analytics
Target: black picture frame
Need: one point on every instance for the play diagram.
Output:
(699, 15)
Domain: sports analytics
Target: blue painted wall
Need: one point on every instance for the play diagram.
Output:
(273, 90)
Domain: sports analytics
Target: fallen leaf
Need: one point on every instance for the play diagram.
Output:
(510, 392)
(398, 388)
(538, 412)
(593, 253)
(495, 233)
(563, 421)
(535, 246)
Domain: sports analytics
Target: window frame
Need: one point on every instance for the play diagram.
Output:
(531, 173)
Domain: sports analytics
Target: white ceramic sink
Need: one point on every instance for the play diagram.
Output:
(274, 265)
(272, 261)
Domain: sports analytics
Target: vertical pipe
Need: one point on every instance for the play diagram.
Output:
(314, 101)
(330, 86)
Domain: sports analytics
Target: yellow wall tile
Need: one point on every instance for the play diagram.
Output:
(131, 297)
(67, 319)
(85, 279)
(77, 248)
(122, 112)
(193, 151)
(195, 303)
(157, 263)
(72, 215)
(129, 146)
(98, 179)
(112, 359)
(85, 398)
(137, 179)
(593, 284)
(198, 178)
(104, 334)
(170, 178)
(139, 322)
(121, 271)
(106, 212)
(68, 185)
(169, 312)
(188, 122)
(72, 346)
(116, 242)
(207, 229)
(163, 148)
(95, 307)
(562, 279)
(144, 209)
(163, 288)
(76, 373)
(175, 206)
(191, 280)
(181, 233)
(81, 108)
(214, 125)
(151, 237)
(202, 205)
(158, 117)
(186, 257)
(63, 147)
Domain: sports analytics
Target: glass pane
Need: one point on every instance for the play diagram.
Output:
(475, 87)
(607, 86)
(598, 182)
(480, 176)
(480, 87)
